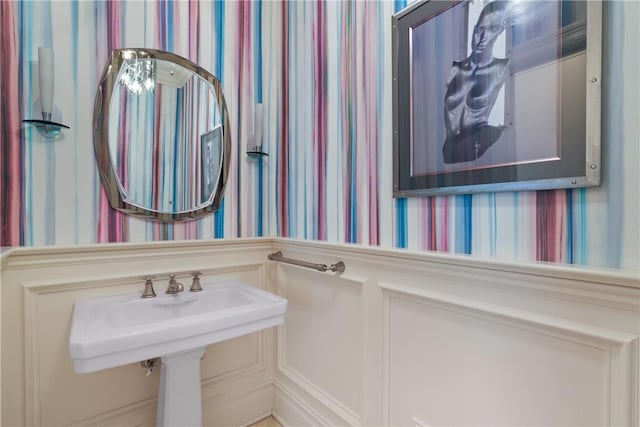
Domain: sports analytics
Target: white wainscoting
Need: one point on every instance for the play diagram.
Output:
(39, 287)
(429, 339)
(321, 342)
(399, 338)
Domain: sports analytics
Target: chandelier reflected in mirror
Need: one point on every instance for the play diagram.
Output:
(139, 75)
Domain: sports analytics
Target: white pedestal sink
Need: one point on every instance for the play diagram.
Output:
(179, 400)
(113, 331)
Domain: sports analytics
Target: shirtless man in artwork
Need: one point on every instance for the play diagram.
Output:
(472, 89)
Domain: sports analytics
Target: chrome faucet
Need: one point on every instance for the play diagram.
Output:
(174, 287)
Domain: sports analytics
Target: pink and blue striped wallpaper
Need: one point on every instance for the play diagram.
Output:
(334, 164)
(323, 73)
(51, 194)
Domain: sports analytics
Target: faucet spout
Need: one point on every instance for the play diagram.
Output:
(174, 287)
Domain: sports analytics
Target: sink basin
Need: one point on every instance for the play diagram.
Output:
(113, 331)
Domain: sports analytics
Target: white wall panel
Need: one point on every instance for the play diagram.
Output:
(453, 367)
(399, 338)
(450, 340)
(322, 339)
(39, 288)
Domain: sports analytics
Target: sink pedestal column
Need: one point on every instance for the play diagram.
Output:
(180, 397)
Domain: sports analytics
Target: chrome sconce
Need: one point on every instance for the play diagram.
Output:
(46, 77)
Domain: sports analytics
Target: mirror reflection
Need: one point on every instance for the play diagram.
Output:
(165, 132)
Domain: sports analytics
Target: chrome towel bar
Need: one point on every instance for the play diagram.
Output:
(337, 267)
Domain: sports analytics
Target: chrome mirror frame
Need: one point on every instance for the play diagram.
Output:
(108, 175)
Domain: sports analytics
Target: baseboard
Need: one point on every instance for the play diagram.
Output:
(239, 409)
(292, 410)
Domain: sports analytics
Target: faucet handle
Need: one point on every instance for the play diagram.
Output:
(174, 287)
(195, 285)
(148, 288)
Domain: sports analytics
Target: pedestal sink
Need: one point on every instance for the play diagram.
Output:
(113, 331)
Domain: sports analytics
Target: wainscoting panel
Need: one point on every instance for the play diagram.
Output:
(39, 385)
(449, 340)
(461, 366)
(321, 342)
(399, 338)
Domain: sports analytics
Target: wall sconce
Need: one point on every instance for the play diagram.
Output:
(256, 151)
(47, 128)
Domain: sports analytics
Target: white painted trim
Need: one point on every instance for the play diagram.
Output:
(34, 288)
(373, 271)
(621, 347)
(395, 258)
(585, 334)
(119, 416)
(624, 384)
(335, 406)
(31, 353)
(342, 411)
(295, 403)
(140, 410)
(29, 258)
(113, 279)
(230, 396)
(386, 361)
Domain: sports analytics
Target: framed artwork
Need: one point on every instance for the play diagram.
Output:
(211, 162)
(496, 95)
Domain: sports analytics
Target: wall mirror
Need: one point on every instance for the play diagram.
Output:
(161, 135)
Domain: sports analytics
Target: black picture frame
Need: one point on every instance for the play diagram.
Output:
(210, 163)
(546, 110)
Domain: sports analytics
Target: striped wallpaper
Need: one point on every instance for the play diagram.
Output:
(51, 194)
(322, 71)
(334, 145)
